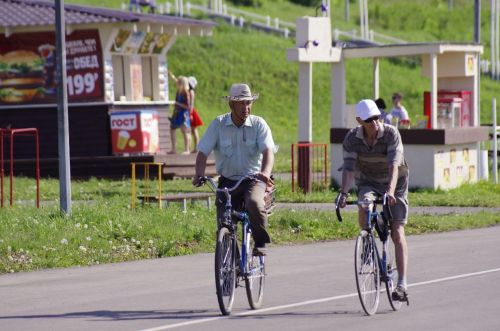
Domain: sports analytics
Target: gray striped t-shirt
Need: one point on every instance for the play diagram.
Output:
(371, 163)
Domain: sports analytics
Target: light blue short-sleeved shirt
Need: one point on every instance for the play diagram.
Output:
(237, 150)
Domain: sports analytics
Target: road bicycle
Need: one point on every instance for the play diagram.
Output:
(233, 267)
(370, 266)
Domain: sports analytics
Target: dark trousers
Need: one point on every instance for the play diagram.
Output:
(251, 194)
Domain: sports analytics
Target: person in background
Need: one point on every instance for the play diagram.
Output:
(180, 118)
(374, 160)
(194, 117)
(243, 145)
(384, 117)
(398, 112)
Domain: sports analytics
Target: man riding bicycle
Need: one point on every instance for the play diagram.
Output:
(373, 158)
(242, 145)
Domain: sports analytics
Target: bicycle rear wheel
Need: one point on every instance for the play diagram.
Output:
(254, 276)
(392, 275)
(225, 273)
(367, 273)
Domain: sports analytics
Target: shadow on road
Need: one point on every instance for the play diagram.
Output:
(124, 315)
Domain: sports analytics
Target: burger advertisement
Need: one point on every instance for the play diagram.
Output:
(28, 68)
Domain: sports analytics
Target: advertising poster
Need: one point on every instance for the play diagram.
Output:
(128, 42)
(28, 68)
(134, 42)
(120, 40)
(135, 132)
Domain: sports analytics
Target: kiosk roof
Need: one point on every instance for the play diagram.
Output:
(30, 13)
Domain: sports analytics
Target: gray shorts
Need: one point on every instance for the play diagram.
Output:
(399, 210)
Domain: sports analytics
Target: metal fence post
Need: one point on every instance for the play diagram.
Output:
(495, 142)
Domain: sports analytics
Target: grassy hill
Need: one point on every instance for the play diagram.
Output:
(234, 55)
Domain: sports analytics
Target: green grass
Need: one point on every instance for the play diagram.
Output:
(103, 228)
(108, 231)
(482, 194)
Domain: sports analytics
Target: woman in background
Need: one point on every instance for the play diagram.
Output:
(180, 119)
(194, 117)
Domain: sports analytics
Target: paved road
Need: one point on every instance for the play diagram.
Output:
(454, 286)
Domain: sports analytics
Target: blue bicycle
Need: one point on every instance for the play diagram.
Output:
(371, 268)
(232, 266)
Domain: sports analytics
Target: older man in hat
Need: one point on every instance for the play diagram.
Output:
(373, 157)
(242, 145)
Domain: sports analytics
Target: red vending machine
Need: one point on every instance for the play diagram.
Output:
(454, 109)
(134, 132)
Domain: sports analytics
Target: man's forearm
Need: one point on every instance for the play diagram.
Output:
(347, 180)
(201, 163)
(393, 179)
(267, 162)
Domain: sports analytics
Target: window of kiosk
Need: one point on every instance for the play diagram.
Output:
(147, 76)
(118, 77)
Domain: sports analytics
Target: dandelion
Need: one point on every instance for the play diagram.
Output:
(64, 241)
(138, 243)
(85, 226)
(78, 225)
(1, 241)
(82, 248)
(89, 238)
(132, 240)
(151, 241)
(110, 242)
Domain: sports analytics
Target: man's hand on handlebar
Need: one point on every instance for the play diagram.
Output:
(198, 181)
(341, 200)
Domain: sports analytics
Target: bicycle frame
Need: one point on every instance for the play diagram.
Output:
(229, 213)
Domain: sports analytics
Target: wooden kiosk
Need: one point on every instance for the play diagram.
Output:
(445, 152)
(116, 63)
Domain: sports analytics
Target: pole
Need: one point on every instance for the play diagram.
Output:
(495, 140)
(367, 33)
(497, 48)
(477, 21)
(346, 11)
(62, 112)
(362, 19)
(492, 38)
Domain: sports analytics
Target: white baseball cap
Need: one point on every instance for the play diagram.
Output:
(192, 81)
(367, 108)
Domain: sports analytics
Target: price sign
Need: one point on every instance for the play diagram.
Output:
(84, 66)
(82, 84)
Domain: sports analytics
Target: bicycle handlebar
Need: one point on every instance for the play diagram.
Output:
(213, 185)
(384, 201)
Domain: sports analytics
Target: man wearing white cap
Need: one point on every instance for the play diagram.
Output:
(373, 158)
(242, 145)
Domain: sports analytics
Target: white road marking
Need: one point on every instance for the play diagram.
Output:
(310, 302)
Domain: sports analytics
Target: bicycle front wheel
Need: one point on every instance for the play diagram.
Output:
(254, 276)
(225, 273)
(367, 273)
(392, 275)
